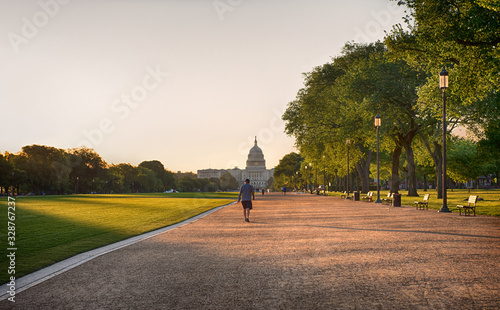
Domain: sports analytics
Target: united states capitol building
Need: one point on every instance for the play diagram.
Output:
(255, 170)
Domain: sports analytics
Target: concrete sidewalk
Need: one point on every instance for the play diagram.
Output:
(298, 252)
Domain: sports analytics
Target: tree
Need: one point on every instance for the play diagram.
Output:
(188, 183)
(166, 177)
(340, 101)
(228, 182)
(88, 168)
(6, 170)
(464, 161)
(41, 164)
(462, 35)
(287, 170)
(489, 147)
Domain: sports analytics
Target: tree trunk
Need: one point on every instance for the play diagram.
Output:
(395, 169)
(438, 162)
(410, 161)
(436, 155)
(363, 169)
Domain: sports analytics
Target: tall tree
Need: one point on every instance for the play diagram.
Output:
(164, 175)
(463, 36)
(286, 171)
(6, 170)
(40, 164)
(89, 168)
(228, 182)
(341, 99)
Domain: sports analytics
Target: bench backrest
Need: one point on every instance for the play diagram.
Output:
(426, 197)
(370, 194)
(472, 200)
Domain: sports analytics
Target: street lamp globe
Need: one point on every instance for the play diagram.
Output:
(378, 121)
(443, 79)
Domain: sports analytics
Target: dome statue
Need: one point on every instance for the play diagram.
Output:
(256, 159)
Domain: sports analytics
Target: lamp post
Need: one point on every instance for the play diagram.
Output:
(443, 84)
(307, 181)
(310, 175)
(347, 142)
(378, 122)
(324, 176)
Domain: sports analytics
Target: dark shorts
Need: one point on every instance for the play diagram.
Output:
(247, 204)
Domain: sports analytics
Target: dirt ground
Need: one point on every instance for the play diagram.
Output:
(298, 252)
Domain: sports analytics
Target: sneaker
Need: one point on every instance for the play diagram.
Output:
(247, 220)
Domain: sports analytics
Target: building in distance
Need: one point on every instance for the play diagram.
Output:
(255, 170)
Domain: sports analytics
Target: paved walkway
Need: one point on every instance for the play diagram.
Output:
(298, 252)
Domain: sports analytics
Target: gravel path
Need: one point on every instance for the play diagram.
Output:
(298, 252)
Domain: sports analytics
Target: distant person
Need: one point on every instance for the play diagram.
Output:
(247, 194)
(263, 190)
(284, 190)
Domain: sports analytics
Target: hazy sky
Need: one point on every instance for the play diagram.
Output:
(189, 83)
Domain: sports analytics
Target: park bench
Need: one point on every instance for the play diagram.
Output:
(344, 195)
(424, 203)
(471, 206)
(388, 199)
(368, 197)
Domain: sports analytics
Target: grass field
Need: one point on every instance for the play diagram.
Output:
(489, 206)
(49, 229)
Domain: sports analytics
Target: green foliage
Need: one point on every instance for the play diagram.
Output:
(6, 170)
(43, 169)
(228, 182)
(166, 177)
(461, 34)
(464, 161)
(340, 100)
(286, 173)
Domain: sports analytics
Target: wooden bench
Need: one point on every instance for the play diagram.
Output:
(388, 199)
(344, 195)
(421, 204)
(471, 206)
(368, 197)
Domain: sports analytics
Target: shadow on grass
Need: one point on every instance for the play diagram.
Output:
(42, 240)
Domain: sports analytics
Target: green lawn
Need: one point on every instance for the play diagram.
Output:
(52, 228)
(489, 206)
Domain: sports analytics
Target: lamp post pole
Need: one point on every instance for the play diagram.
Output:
(347, 142)
(443, 84)
(311, 177)
(324, 176)
(378, 122)
(307, 180)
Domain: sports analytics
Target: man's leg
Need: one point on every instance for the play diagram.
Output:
(245, 213)
(248, 213)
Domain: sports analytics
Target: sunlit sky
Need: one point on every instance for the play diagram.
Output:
(189, 83)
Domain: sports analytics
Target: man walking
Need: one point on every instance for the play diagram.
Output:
(247, 194)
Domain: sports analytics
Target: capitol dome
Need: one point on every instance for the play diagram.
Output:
(256, 158)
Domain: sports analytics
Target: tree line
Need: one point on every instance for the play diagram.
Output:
(397, 79)
(40, 169)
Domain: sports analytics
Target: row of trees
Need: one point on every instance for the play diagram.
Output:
(398, 79)
(42, 169)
